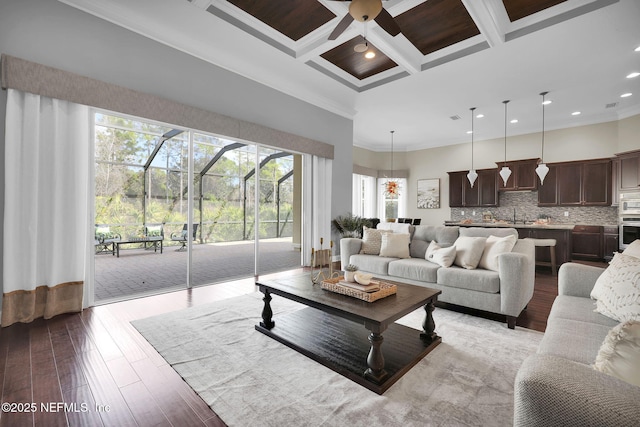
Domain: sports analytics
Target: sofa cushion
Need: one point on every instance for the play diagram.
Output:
(418, 248)
(444, 257)
(578, 308)
(371, 263)
(619, 354)
(573, 339)
(395, 245)
(617, 290)
(415, 269)
(493, 247)
(469, 251)
(371, 240)
(476, 280)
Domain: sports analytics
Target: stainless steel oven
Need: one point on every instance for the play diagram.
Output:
(629, 230)
(629, 218)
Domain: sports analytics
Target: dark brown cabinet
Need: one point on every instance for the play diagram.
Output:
(483, 193)
(523, 175)
(610, 243)
(587, 242)
(629, 170)
(583, 183)
(548, 191)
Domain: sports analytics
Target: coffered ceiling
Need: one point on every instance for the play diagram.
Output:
(450, 55)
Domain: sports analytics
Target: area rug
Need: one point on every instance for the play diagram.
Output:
(249, 379)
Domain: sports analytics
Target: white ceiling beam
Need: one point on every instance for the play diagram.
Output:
(487, 15)
(398, 49)
(202, 4)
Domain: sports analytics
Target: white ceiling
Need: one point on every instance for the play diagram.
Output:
(580, 51)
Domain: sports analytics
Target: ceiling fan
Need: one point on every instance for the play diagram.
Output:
(365, 11)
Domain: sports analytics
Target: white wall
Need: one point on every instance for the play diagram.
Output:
(577, 143)
(51, 33)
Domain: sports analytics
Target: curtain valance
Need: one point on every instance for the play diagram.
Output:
(51, 82)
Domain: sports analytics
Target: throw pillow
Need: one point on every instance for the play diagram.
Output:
(617, 290)
(395, 245)
(493, 247)
(371, 240)
(444, 257)
(469, 251)
(620, 352)
(633, 249)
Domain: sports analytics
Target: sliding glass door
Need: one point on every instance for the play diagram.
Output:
(177, 208)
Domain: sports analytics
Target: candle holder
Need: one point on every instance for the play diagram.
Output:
(322, 255)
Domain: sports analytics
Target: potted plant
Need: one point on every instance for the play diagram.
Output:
(349, 272)
(350, 225)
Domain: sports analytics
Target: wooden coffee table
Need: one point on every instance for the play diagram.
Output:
(332, 330)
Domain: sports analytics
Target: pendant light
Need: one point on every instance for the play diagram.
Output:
(542, 169)
(505, 172)
(472, 175)
(392, 186)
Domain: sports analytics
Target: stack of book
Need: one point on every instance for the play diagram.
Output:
(371, 287)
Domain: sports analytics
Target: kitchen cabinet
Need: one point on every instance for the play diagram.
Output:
(548, 191)
(615, 182)
(587, 242)
(610, 241)
(563, 242)
(629, 170)
(523, 175)
(484, 192)
(582, 183)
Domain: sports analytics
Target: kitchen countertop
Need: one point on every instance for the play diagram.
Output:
(510, 225)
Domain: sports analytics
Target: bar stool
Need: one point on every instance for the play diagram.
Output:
(551, 244)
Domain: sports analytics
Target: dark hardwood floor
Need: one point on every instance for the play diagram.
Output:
(94, 369)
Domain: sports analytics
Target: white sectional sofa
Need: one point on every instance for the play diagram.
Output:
(506, 291)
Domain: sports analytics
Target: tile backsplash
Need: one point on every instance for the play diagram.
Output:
(525, 205)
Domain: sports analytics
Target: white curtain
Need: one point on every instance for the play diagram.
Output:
(317, 204)
(47, 195)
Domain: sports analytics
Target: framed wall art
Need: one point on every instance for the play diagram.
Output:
(429, 193)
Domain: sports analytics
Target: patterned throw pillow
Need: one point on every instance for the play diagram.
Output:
(371, 240)
(620, 352)
(154, 231)
(617, 290)
(633, 249)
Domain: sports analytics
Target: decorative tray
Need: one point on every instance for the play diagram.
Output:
(386, 289)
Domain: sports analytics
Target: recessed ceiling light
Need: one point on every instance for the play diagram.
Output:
(360, 47)
(479, 116)
(514, 121)
(547, 102)
(370, 54)
(469, 132)
(637, 49)
(632, 75)
(576, 113)
(626, 95)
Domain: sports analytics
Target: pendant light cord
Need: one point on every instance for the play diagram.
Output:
(505, 131)
(542, 154)
(472, 109)
(392, 153)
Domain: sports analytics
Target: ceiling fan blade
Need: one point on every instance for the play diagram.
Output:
(386, 21)
(342, 25)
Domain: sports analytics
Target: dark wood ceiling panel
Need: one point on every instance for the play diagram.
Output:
(293, 18)
(518, 9)
(354, 63)
(436, 24)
